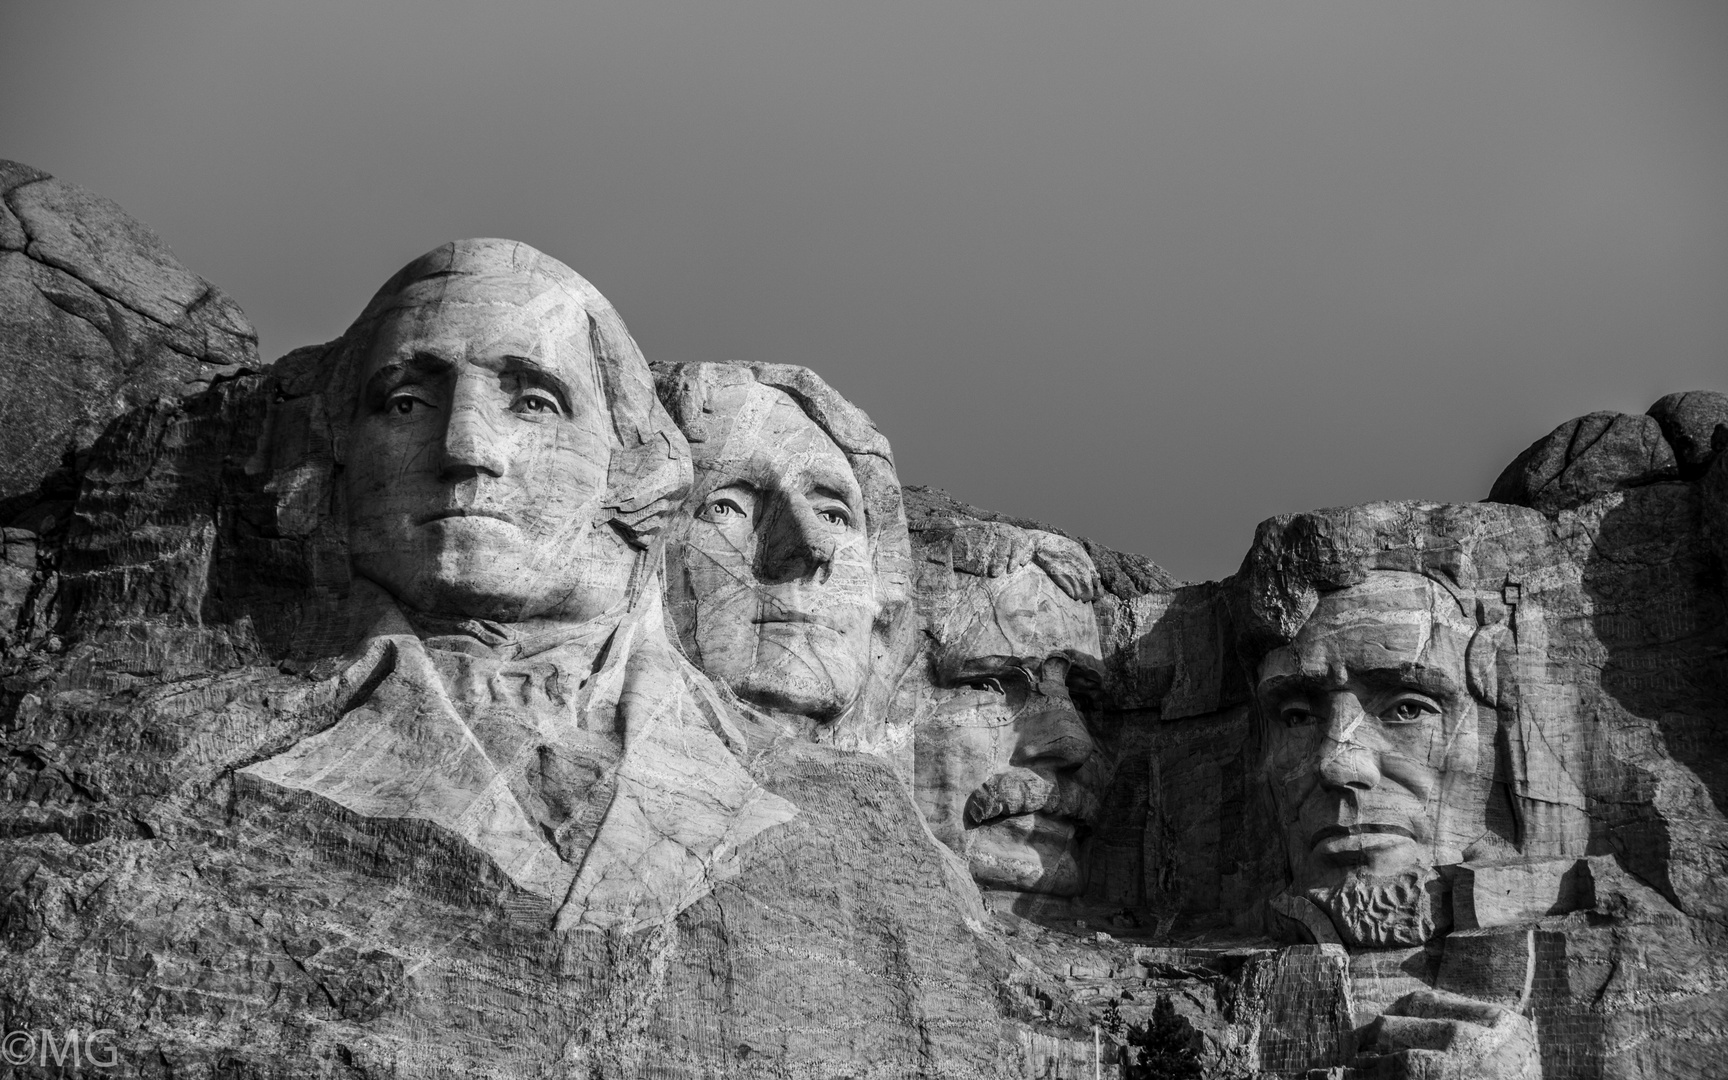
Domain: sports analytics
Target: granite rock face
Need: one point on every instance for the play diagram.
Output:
(1591, 456)
(1690, 422)
(787, 566)
(374, 790)
(1007, 772)
(464, 698)
(96, 317)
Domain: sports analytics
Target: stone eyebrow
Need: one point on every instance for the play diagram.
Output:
(835, 483)
(1290, 684)
(1419, 677)
(517, 365)
(418, 362)
(979, 667)
(1415, 676)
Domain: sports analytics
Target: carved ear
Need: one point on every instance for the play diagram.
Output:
(1482, 662)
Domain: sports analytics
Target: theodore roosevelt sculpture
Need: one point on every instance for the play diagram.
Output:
(506, 470)
(787, 574)
(1007, 773)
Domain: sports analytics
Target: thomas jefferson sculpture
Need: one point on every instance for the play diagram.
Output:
(787, 573)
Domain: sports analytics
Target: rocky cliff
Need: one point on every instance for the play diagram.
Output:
(1421, 790)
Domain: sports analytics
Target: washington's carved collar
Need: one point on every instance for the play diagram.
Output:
(376, 612)
(506, 641)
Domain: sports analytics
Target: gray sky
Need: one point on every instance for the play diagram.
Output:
(1150, 271)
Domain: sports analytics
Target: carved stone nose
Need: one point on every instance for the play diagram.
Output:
(1346, 766)
(1344, 762)
(472, 445)
(1052, 732)
(796, 547)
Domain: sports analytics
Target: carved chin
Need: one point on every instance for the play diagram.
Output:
(791, 692)
(1029, 852)
(809, 674)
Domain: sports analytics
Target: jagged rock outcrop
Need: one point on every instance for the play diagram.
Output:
(1584, 458)
(96, 317)
(1690, 422)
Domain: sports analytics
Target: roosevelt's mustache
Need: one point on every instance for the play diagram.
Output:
(1024, 791)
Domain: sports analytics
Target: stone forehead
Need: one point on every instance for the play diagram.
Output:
(1389, 597)
(751, 418)
(1023, 613)
(508, 270)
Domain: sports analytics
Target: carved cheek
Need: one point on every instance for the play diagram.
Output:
(1411, 772)
(581, 455)
(977, 737)
(386, 478)
(1414, 760)
(852, 578)
(1292, 763)
(1293, 788)
(716, 562)
(956, 751)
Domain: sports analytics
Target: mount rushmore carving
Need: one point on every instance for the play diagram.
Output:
(467, 697)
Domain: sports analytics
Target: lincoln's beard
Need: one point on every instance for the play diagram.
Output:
(1378, 912)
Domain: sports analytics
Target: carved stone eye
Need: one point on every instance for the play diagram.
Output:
(726, 508)
(1408, 711)
(1297, 716)
(987, 686)
(835, 516)
(538, 404)
(403, 404)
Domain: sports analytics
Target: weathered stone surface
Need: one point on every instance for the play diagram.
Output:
(96, 316)
(1007, 772)
(349, 728)
(362, 803)
(788, 566)
(1120, 573)
(1690, 422)
(1393, 664)
(1584, 458)
(1512, 894)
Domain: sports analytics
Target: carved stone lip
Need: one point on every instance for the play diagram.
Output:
(459, 512)
(1037, 824)
(1038, 820)
(1335, 832)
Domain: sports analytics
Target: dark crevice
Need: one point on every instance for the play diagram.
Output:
(65, 305)
(33, 250)
(7, 194)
